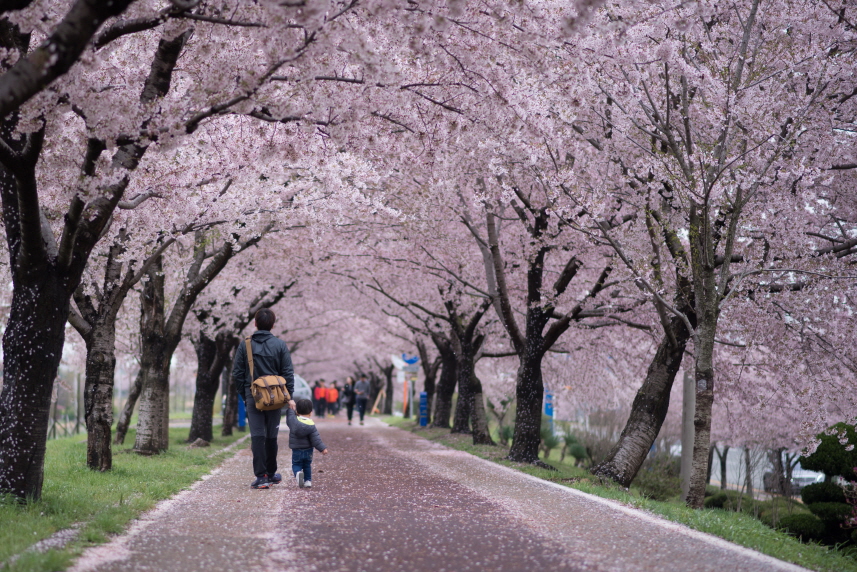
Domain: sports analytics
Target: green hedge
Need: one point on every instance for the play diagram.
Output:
(831, 512)
(822, 492)
(804, 526)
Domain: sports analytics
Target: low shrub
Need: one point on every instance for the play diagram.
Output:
(822, 492)
(597, 447)
(577, 451)
(506, 433)
(802, 525)
(717, 500)
(831, 512)
(550, 441)
(728, 500)
(659, 478)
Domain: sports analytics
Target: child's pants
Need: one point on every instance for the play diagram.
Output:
(302, 461)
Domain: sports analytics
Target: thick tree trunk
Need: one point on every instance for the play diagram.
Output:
(128, 409)
(32, 348)
(206, 389)
(706, 304)
(98, 393)
(479, 419)
(648, 410)
(461, 416)
(702, 415)
(529, 393)
(157, 350)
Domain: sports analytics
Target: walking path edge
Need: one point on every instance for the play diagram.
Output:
(638, 513)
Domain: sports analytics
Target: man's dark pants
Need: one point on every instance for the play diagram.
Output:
(264, 428)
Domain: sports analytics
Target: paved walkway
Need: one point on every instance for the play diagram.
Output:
(387, 501)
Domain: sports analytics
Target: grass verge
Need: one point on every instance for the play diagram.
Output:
(742, 529)
(102, 504)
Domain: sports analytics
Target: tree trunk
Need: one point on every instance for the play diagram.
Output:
(648, 410)
(157, 350)
(430, 373)
(723, 466)
(128, 409)
(748, 470)
(702, 415)
(529, 393)
(445, 388)
(479, 419)
(388, 398)
(780, 484)
(32, 348)
(230, 407)
(710, 463)
(98, 392)
(206, 389)
(706, 304)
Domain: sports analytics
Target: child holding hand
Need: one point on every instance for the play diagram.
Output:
(303, 438)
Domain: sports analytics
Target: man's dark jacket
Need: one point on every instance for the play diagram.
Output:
(270, 357)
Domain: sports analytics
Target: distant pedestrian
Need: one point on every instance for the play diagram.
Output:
(332, 398)
(303, 438)
(347, 397)
(319, 395)
(312, 396)
(270, 357)
(361, 394)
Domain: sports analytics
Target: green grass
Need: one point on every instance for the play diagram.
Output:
(103, 503)
(741, 528)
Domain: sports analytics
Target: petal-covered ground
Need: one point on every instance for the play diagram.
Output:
(386, 500)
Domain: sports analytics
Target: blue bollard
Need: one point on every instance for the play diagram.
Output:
(423, 409)
(242, 416)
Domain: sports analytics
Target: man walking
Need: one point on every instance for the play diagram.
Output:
(270, 357)
(361, 393)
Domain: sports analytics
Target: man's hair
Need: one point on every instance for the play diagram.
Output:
(362, 376)
(303, 406)
(265, 319)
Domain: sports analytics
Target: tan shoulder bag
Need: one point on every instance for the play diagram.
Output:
(269, 391)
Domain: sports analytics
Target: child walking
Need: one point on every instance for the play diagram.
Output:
(303, 437)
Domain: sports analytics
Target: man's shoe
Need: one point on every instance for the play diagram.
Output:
(300, 479)
(361, 423)
(260, 483)
(276, 479)
(308, 485)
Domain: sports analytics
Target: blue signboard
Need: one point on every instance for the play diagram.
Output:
(548, 403)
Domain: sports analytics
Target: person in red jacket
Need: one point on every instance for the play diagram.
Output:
(331, 396)
(319, 394)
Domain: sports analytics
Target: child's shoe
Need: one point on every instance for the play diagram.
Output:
(300, 478)
(308, 485)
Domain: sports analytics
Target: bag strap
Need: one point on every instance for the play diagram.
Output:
(250, 356)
